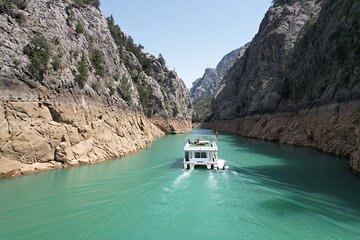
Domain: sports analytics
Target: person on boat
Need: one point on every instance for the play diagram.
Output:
(217, 133)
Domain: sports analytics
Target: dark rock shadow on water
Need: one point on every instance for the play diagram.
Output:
(302, 171)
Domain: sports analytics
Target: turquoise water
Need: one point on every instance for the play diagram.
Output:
(270, 192)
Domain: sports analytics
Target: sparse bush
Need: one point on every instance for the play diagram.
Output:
(56, 63)
(7, 5)
(175, 110)
(145, 99)
(16, 62)
(161, 60)
(116, 33)
(20, 17)
(82, 3)
(21, 4)
(71, 16)
(202, 108)
(38, 52)
(79, 28)
(83, 74)
(125, 89)
(97, 59)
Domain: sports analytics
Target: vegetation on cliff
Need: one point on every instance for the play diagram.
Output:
(298, 82)
(304, 55)
(38, 51)
(74, 88)
(145, 67)
(202, 109)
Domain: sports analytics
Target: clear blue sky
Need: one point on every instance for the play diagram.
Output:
(191, 34)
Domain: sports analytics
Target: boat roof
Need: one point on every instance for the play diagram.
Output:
(200, 143)
(193, 138)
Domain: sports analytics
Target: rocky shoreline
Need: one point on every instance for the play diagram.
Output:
(36, 137)
(76, 90)
(332, 129)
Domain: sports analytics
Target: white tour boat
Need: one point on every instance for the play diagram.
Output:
(202, 151)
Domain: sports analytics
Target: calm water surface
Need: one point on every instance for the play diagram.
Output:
(269, 192)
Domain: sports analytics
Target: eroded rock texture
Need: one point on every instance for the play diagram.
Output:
(70, 93)
(298, 82)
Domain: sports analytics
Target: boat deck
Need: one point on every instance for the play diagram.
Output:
(207, 144)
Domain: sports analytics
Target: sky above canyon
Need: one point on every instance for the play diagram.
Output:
(191, 34)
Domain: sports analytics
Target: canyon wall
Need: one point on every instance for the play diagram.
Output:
(298, 82)
(332, 129)
(75, 89)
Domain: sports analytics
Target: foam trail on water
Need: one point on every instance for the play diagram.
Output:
(180, 179)
(212, 182)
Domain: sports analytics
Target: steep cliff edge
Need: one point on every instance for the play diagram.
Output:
(75, 89)
(298, 82)
(209, 82)
(204, 88)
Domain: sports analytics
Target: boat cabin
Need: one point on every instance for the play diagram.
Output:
(200, 150)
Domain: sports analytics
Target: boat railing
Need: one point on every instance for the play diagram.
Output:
(194, 138)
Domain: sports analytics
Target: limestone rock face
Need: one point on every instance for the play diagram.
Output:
(206, 85)
(254, 83)
(203, 90)
(298, 82)
(209, 83)
(48, 119)
(34, 133)
(303, 55)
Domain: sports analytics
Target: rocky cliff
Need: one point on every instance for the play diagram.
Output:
(75, 89)
(298, 82)
(203, 89)
(210, 81)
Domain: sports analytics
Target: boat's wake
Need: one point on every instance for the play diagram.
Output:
(212, 182)
(180, 179)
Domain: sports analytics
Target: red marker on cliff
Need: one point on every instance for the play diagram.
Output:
(217, 133)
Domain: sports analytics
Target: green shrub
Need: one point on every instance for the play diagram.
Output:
(71, 15)
(125, 89)
(145, 99)
(82, 3)
(21, 4)
(7, 5)
(202, 108)
(116, 33)
(38, 52)
(83, 74)
(97, 59)
(16, 62)
(56, 63)
(175, 110)
(79, 28)
(161, 60)
(19, 17)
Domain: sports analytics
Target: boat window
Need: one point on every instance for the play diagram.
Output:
(203, 154)
(186, 156)
(197, 154)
